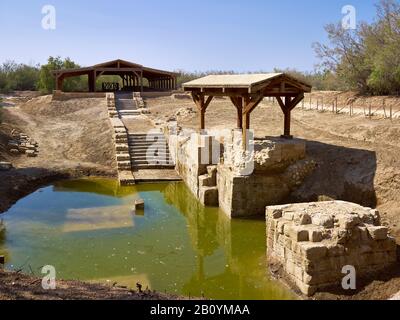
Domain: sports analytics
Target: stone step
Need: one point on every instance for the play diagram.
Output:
(117, 123)
(121, 147)
(124, 167)
(151, 158)
(147, 151)
(148, 137)
(147, 140)
(128, 111)
(123, 157)
(148, 145)
(148, 162)
(150, 166)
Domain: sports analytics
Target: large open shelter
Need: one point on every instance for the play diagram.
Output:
(246, 91)
(135, 77)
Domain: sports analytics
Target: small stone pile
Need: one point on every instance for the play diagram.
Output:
(313, 242)
(5, 166)
(185, 112)
(22, 144)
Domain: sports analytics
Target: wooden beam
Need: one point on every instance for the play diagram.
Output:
(287, 107)
(238, 103)
(202, 105)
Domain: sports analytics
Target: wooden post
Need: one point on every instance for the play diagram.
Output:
(249, 103)
(238, 103)
(92, 81)
(202, 105)
(141, 81)
(287, 107)
(59, 82)
(286, 112)
(370, 110)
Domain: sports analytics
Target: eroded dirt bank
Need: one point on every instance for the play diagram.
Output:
(357, 158)
(17, 286)
(75, 140)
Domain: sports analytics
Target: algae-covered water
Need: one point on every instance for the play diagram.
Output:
(86, 229)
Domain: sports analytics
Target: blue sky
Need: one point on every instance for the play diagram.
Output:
(198, 35)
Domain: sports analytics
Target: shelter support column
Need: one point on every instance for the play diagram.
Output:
(92, 81)
(141, 81)
(202, 104)
(59, 82)
(238, 103)
(249, 103)
(287, 108)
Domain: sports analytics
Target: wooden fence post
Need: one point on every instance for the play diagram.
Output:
(369, 110)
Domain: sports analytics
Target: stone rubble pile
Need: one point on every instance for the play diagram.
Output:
(185, 112)
(22, 144)
(312, 242)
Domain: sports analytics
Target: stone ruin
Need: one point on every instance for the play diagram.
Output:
(218, 171)
(22, 144)
(312, 242)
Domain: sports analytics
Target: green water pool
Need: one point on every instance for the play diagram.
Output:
(87, 230)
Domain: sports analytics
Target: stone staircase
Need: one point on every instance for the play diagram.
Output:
(149, 151)
(126, 105)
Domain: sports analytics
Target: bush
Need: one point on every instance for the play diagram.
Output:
(15, 76)
(46, 83)
(366, 59)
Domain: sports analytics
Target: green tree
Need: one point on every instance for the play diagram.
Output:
(366, 59)
(46, 83)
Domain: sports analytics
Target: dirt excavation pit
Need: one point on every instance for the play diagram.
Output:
(356, 159)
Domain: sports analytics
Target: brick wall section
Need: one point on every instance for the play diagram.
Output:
(314, 241)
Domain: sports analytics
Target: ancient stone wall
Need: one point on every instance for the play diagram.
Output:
(264, 176)
(314, 241)
(219, 173)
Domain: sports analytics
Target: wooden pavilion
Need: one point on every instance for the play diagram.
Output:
(132, 75)
(246, 92)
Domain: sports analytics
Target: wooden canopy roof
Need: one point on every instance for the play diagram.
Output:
(132, 74)
(115, 67)
(268, 84)
(246, 91)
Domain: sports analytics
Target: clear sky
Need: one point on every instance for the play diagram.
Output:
(239, 35)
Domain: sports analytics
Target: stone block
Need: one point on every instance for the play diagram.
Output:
(378, 232)
(314, 251)
(315, 235)
(323, 220)
(209, 196)
(139, 204)
(31, 153)
(5, 166)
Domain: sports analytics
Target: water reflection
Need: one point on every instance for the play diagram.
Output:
(240, 242)
(86, 229)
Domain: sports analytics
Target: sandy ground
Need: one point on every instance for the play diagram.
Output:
(357, 157)
(75, 139)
